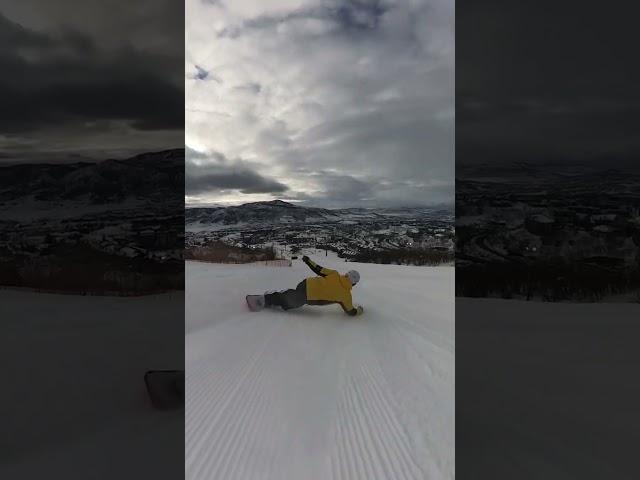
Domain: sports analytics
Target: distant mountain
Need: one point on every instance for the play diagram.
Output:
(279, 212)
(150, 176)
(275, 211)
(529, 172)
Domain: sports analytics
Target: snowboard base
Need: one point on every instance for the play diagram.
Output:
(165, 388)
(255, 302)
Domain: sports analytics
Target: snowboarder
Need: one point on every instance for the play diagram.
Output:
(327, 288)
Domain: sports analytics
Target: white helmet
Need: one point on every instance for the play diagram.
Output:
(353, 276)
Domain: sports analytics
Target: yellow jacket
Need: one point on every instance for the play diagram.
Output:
(329, 287)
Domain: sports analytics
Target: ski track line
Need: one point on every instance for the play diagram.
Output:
(201, 451)
(346, 448)
(251, 460)
(230, 439)
(370, 442)
(209, 448)
(366, 432)
(422, 330)
(399, 325)
(395, 333)
(434, 337)
(366, 405)
(218, 406)
(391, 435)
(432, 366)
(210, 385)
(204, 417)
(384, 409)
(215, 341)
(350, 455)
(210, 382)
(214, 387)
(342, 467)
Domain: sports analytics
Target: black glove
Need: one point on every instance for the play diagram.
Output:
(305, 258)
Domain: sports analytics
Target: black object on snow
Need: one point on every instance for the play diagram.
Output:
(165, 388)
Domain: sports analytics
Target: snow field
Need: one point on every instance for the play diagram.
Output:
(73, 400)
(536, 383)
(313, 393)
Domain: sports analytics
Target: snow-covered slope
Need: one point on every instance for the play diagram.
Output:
(73, 400)
(275, 211)
(536, 382)
(29, 191)
(313, 393)
(283, 213)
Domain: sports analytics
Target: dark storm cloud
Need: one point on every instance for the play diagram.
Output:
(201, 74)
(213, 172)
(376, 192)
(68, 84)
(350, 16)
(346, 188)
(338, 190)
(245, 181)
(358, 14)
(545, 82)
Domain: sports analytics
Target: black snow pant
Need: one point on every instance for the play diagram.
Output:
(288, 299)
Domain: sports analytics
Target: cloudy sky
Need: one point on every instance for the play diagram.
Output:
(90, 79)
(325, 102)
(546, 82)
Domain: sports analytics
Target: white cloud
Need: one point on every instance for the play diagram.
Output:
(365, 89)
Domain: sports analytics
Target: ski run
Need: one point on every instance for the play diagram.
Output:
(85, 357)
(313, 393)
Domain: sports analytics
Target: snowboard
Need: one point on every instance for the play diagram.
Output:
(255, 302)
(165, 388)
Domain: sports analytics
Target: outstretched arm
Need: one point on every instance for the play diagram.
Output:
(351, 309)
(317, 269)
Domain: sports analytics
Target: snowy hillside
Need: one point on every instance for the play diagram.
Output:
(408, 236)
(110, 226)
(275, 211)
(279, 212)
(535, 386)
(78, 405)
(150, 177)
(313, 393)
